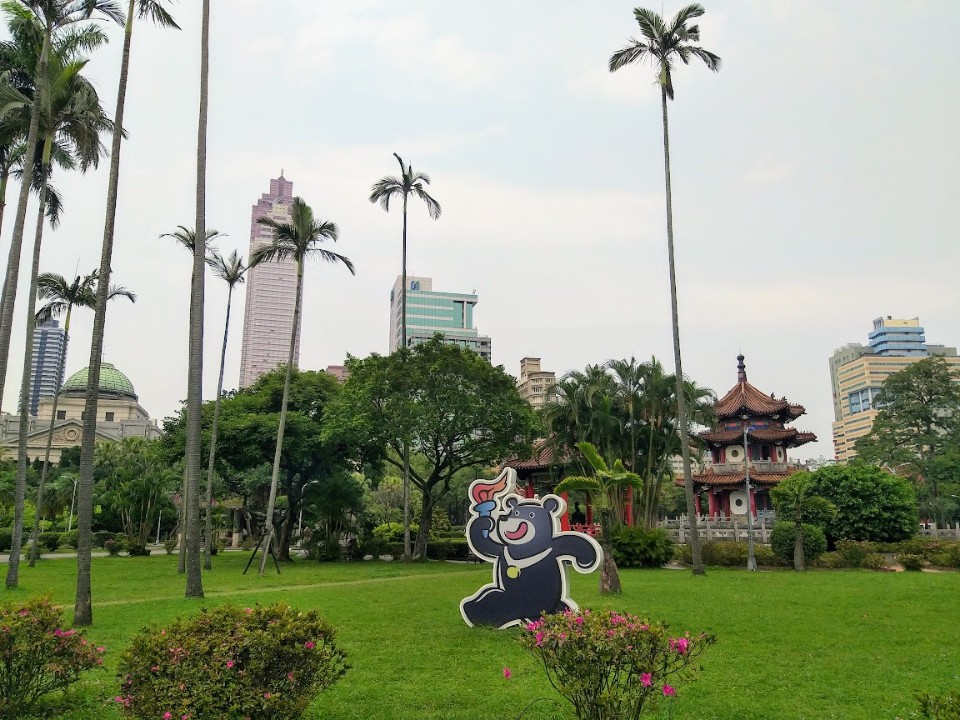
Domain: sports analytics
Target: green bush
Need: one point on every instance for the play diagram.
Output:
(855, 553)
(393, 532)
(783, 536)
(913, 563)
(940, 707)
(611, 665)
(70, 539)
(944, 559)
(230, 662)
(729, 554)
(831, 561)
(6, 539)
(112, 547)
(37, 656)
(49, 541)
(136, 549)
(169, 545)
(448, 548)
(635, 547)
(100, 538)
(874, 561)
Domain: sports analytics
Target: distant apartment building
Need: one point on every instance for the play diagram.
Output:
(340, 372)
(535, 385)
(857, 373)
(271, 293)
(430, 312)
(46, 365)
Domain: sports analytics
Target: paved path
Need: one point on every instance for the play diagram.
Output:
(5, 558)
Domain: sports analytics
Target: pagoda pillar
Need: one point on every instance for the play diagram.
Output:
(696, 501)
(564, 519)
(712, 503)
(529, 491)
(726, 505)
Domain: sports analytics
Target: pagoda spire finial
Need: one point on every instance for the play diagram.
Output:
(741, 369)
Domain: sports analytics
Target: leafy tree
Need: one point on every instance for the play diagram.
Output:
(232, 271)
(142, 9)
(62, 297)
(871, 503)
(606, 486)
(794, 498)
(299, 239)
(382, 192)
(452, 406)
(917, 431)
(662, 46)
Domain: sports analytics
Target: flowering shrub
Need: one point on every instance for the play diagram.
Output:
(230, 662)
(38, 656)
(610, 665)
(940, 707)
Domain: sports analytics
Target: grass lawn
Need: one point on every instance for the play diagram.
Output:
(844, 644)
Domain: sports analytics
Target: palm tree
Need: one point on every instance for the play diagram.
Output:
(605, 486)
(187, 239)
(663, 45)
(382, 191)
(232, 271)
(298, 239)
(72, 118)
(83, 609)
(62, 297)
(794, 497)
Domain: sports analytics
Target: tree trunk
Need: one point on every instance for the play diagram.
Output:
(46, 455)
(4, 176)
(609, 575)
(695, 551)
(427, 504)
(798, 560)
(16, 240)
(286, 530)
(213, 437)
(83, 608)
(407, 551)
(13, 566)
(194, 587)
(182, 527)
(275, 478)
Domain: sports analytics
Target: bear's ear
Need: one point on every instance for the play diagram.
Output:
(512, 501)
(551, 505)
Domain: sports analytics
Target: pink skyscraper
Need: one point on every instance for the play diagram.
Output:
(271, 293)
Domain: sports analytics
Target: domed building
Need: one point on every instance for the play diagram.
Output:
(119, 412)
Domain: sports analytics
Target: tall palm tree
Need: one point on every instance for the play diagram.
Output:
(382, 192)
(62, 297)
(232, 271)
(83, 608)
(606, 486)
(72, 118)
(663, 45)
(187, 239)
(298, 239)
(794, 498)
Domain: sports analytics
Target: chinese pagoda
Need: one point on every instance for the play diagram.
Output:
(751, 422)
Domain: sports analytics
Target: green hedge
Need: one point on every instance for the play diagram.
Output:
(448, 549)
(6, 539)
(730, 554)
(783, 538)
(635, 547)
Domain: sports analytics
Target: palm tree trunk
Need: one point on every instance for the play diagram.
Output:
(13, 567)
(4, 176)
(275, 477)
(208, 529)
(46, 455)
(609, 575)
(194, 586)
(16, 240)
(182, 522)
(695, 552)
(83, 607)
(407, 551)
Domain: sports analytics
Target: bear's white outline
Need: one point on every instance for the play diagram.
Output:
(562, 560)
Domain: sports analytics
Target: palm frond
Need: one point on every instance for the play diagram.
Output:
(271, 252)
(332, 257)
(636, 51)
(686, 14)
(154, 10)
(433, 207)
(591, 455)
(52, 286)
(651, 25)
(578, 482)
(49, 311)
(384, 189)
(711, 60)
(117, 291)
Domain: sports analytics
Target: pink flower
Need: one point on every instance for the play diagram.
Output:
(184, 717)
(682, 645)
(167, 715)
(101, 649)
(646, 679)
(267, 696)
(248, 610)
(309, 645)
(539, 639)
(669, 691)
(118, 699)
(229, 664)
(507, 673)
(155, 668)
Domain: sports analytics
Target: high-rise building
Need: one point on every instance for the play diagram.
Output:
(430, 312)
(271, 293)
(46, 368)
(857, 373)
(535, 385)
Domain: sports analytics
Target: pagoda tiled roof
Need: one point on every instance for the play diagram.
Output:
(789, 437)
(544, 456)
(726, 480)
(743, 398)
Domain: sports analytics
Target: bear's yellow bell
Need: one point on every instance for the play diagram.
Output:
(513, 572)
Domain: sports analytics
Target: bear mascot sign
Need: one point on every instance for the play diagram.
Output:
(523, 540)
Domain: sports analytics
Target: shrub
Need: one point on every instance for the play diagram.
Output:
(37, 656)
(913, 563)
(783, 536)
(248, 543)
(100, 538)
(136, 549)
(6, 539)
(393, 532)
(448, 548)
(70, 539)
(49, 541)
(112, 547)
(609, 665)
(855, 553)
(635, 547)
(940, 707)
(831, 560)
(943, 559)
(230, 662)
(169, 545)
(874, 561)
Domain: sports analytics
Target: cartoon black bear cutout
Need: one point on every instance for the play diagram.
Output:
(522, 538)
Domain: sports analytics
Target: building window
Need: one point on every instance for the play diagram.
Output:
(61, 414)
(109, 417)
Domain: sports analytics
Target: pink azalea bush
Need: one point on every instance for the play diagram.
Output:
(230, 662)
(39, 656)
(610, 665)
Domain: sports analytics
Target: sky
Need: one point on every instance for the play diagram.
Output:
(815, 182)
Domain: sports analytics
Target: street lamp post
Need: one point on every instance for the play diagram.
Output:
(751, 558)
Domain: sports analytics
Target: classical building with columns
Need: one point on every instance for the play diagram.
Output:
(119, 416)
(751, 433)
